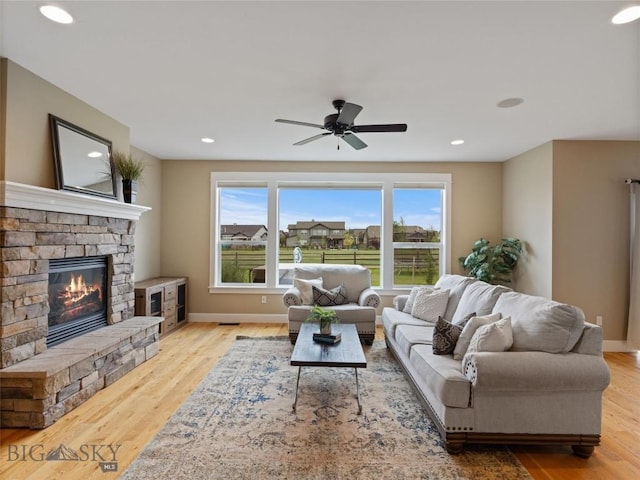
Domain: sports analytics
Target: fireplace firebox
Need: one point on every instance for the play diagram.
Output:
(77, 297)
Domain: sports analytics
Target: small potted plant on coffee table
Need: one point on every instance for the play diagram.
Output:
(324, 317)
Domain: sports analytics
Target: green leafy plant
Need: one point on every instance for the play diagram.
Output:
(493, 264)
(128, 168)
(322, 316)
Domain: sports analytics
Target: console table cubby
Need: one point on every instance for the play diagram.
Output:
(163, 297)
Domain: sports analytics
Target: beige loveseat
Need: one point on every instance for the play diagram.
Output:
(545, 389)
(359, 307)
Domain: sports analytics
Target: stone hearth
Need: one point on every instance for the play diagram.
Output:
(36, 225)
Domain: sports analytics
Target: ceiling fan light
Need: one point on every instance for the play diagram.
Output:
(56, 14)
(626, 15)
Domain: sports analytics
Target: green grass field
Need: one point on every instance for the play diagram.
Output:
(412, 266)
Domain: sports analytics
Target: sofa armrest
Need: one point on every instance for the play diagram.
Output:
(535, 371)
(292, 297)
(399, 301)
(369, 298)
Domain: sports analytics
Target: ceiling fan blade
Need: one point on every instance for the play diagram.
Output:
(348, 113)
(354, 141)
(311, 139)
(304, 124)
(391, 127)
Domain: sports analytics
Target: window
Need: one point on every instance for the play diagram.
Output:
(394, 224)
(417, 221)
(241, 247)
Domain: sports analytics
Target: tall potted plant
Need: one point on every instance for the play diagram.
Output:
(493, 263)
(130, 170)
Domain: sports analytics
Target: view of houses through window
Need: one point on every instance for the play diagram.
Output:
(328, 224)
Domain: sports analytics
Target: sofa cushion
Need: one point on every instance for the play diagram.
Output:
(415, 291)
(468, 331)
(304, 286)
(479, 297)
(409, 335)
(442, 375)
(445, 337)
(324, 298)
(428, 306)
(347, 313)
(456, 284)
(540, 324)
(494, 337)
(392, 318)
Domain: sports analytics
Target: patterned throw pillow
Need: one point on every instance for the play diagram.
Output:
(304, 286)
(495, 337)
(412, 297)
(335, 296)
(445, 336)
(430, 306)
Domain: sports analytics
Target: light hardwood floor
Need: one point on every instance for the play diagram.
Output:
(131, 411)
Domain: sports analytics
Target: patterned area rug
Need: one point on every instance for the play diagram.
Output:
(239, 424)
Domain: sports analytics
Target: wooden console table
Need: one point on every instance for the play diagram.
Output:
(163, 297)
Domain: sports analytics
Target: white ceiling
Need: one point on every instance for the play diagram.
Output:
(176, 71)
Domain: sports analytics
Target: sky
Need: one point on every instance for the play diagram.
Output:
(357, 208)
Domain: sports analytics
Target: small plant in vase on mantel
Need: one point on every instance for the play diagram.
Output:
(130, 170)
(324, 317)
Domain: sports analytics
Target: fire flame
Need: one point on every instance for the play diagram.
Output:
(78, 289)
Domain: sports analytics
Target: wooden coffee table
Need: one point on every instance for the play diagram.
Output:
(347, 353)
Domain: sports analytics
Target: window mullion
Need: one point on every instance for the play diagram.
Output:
(386, 253)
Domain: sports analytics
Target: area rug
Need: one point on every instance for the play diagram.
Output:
(239, 424)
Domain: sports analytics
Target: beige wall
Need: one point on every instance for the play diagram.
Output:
(148, 232)
(3, 114)
(527, 205)
(186, 225)
(27, 146)
(591, 228)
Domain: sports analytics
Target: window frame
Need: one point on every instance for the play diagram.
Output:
(386, 182)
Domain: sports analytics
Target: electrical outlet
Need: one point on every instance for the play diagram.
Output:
(264, 299)
(599, 320)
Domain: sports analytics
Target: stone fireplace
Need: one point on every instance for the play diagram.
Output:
(66, 301)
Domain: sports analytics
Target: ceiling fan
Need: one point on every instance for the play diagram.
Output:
(341, 125)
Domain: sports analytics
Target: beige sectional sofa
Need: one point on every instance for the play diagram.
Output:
(545, 389)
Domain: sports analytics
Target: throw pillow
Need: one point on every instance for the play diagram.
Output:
(445, 336)
(495, 337)
(428, 306)
(468, 331)
(335, 296)
(304, 286)
(412, 297)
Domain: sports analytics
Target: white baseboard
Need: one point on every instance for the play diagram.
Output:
(247, 318)
(616, 346)
(239, 317)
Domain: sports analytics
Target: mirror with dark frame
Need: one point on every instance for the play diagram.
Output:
(82, 160)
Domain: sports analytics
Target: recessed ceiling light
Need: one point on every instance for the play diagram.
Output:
(510, 102)
(627, 15)
(56, 14)
(94, 154)
(207, 140)
(457, 142)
